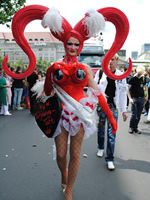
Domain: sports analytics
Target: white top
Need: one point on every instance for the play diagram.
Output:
(120, 98)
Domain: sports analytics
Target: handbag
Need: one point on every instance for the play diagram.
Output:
(47, 115)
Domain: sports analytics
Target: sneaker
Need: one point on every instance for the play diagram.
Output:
(145, 114)
(130, 130)
(137, 131)
(110, 165)
(100, 153)
(7, 114)
(20, 108)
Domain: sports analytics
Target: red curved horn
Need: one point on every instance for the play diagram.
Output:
(20, 20)
(119, 19)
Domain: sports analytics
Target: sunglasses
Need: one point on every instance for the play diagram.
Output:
(76, 45)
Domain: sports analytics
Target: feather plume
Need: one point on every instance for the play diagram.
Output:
(38, 88)
(53, 20)
(94, 22)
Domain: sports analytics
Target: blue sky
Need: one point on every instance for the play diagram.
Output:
(137, 12)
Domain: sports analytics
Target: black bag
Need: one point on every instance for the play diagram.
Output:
(48, 114)
(100, 75)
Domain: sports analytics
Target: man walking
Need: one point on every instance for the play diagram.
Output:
(116, 95)
(135, 92)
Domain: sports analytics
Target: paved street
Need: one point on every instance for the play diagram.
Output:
(28, 171)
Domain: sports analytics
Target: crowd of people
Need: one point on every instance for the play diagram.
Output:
(15, 94)
(134, 91)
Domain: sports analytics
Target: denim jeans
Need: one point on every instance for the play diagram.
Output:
(101, 133)
(17, 97)
(136, 110)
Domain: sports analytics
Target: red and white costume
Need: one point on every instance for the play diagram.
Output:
(72, 77)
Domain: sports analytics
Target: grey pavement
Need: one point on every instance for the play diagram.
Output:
(28, 171)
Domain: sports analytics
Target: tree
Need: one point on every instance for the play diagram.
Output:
(20, 63)
(43, 64)
(8, 8)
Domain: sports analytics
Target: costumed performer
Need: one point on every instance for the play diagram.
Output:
(69, 77)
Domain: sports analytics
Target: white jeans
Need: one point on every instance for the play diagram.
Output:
(4, 109)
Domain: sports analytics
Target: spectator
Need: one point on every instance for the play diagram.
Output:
(146, 78)
(127, 79)
(9, 93)
(18, 90)
(136, 97)
(148, 102)
(3, 95)
(13, 69)
(116, 95)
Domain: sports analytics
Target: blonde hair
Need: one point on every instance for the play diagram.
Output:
(148, 69)
(116, 56)
(140, 70)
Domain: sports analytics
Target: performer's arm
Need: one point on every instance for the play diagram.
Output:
(102, 102)
(104, 106)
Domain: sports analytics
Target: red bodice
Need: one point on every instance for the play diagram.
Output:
(72, 78)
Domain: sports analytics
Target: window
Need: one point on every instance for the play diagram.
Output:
(30, 39)
(35, 39)
(41, 39)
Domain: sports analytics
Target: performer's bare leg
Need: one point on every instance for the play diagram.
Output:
(61, 155)
(75, 149)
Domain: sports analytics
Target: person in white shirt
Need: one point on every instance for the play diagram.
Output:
(115, 92)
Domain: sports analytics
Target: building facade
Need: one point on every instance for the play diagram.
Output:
(45, 47)
(43, 44)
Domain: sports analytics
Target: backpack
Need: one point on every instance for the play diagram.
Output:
(100, 75)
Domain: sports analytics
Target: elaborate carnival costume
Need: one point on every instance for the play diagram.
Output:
(68, 78)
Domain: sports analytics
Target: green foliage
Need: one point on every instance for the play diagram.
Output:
(42, 65)
(8, 8)
(21, 64)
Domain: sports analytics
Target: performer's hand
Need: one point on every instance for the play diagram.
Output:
(113, 124)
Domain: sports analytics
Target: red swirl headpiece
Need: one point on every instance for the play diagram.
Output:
(62, 30)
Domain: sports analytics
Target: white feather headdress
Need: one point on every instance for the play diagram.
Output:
(53, 20)
(94, 22)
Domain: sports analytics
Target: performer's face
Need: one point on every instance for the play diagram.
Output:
(72, 46)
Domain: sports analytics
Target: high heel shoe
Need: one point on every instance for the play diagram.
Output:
(63, 185)
(64, 190)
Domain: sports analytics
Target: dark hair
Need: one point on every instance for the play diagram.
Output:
(18, 69)
(12, 68)
(125, 68)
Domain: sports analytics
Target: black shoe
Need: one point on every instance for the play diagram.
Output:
(130, 131)
(137, 131)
